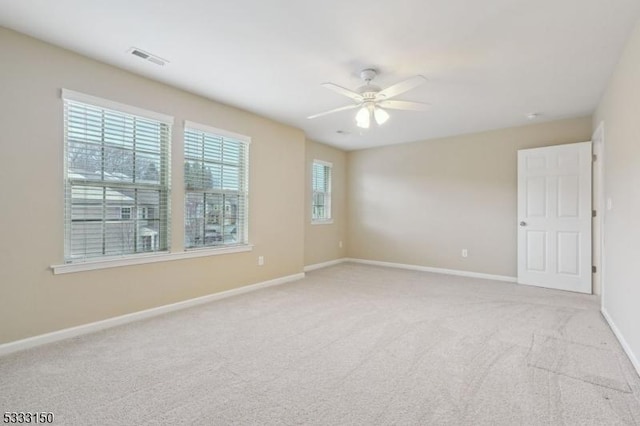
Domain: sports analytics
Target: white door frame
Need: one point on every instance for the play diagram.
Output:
(599, 204)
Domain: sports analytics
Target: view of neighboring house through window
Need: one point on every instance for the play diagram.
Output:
(321, 189)
(145, 212)
(216, 190)
(125, 213)
(117, 179)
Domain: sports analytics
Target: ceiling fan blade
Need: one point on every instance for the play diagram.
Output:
(401, 87)
(343, 91)
(344, 108)
(405, 105)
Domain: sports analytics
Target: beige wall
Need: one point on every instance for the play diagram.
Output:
(321, 243)
(422, 203)
(417, 203)
(32, 299)
(619, 109)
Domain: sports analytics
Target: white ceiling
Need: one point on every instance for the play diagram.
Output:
(488, 62)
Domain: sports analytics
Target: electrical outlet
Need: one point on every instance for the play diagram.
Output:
(340, 244)
(260, 260)
(465, 253)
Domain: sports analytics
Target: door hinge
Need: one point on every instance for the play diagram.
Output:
(593, 213)
(595, 158)
(594, 269)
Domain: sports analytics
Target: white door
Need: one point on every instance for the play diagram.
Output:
(554, 217)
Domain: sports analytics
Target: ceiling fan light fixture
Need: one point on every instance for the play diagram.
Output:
(363, 118)
(369, 99)
(381, 116)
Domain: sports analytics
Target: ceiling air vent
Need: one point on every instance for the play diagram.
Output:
(148, 56)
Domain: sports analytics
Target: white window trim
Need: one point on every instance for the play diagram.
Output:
(116, 106)
(328, 221)
(231, 135)
(321, 221)
(215, 131)
(324, 163)
(73, 96)
(140, 259)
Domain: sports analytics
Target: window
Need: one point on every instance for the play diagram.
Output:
(117, 164)
(147, 243)
(216, 190)
(321, 189)
(125, 213)
(145, 212)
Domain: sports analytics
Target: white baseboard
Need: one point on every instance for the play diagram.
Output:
(621, 339)
(324, 264)
(435, 270)
(67, 333)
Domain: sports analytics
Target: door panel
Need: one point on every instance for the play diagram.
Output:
(536, 196)
(568, 196)
(538, 162)
(536, 251)
(554, 217)
(568, 253)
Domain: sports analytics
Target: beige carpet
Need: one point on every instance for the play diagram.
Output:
(348, 345)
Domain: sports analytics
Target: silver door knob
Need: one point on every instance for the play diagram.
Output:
(523, 223)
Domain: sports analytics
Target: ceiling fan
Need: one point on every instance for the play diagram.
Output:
(373, 101)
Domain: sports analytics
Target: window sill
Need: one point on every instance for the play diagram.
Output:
(322, 222)
(144, 258)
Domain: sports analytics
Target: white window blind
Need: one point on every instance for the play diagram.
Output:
(321, 190)
(117, 181)
(216, 187)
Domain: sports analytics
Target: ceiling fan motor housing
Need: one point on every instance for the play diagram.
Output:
(368, 74)
(368, 91)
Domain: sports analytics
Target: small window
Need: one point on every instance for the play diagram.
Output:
(125, 213)
(216, 189)
(145, 212)
(147, 243)
(321, 192)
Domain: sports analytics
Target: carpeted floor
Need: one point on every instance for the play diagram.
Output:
(348, 345)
